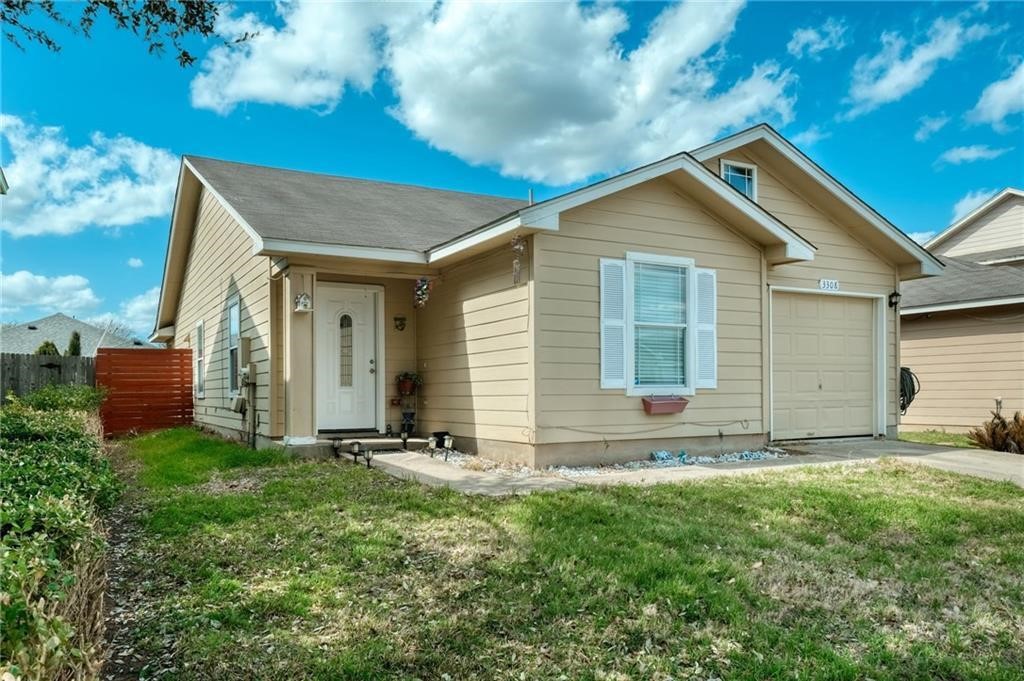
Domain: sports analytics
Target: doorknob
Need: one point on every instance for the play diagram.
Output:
(372, 370)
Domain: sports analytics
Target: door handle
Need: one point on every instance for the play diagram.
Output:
(372, 370)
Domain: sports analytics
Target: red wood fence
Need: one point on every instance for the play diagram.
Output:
(146, 389)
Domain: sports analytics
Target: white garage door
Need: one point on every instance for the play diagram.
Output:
(822, 365)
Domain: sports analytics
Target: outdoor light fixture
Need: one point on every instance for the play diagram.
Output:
(303, 303)
(449, 442)
(432, 445)
(894, 298)
(400, 323)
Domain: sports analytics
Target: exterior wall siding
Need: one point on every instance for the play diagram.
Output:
(219, 266)
(474, 345)
(965, 360)
(653, 218)
(1000, 227)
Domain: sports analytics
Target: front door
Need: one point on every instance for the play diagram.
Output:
(346, 358)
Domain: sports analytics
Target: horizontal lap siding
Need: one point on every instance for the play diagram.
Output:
(474, 350)
(839, 256)
(964, 360)
(220, 264)
(1001, 227)
(651, 218)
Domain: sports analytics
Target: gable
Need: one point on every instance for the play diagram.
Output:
(996, 228)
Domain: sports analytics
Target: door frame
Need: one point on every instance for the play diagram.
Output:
(880, 392)
(378, 302)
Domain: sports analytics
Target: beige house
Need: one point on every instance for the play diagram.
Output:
(963, 333)
(740, 276)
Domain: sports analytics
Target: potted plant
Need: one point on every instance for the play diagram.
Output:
(408, 382)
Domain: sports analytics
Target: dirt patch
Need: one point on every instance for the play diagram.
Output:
(242, 485)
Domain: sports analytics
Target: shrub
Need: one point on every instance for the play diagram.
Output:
(48, 347)
(65, 397)
(53, 482)
(74, 345)
(999, 434)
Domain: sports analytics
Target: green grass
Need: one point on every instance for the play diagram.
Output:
(937, 437)
(267, 570)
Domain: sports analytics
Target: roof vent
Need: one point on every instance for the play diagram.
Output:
(33, 327)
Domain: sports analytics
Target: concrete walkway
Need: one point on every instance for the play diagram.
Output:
(979, 463)
(436, 473)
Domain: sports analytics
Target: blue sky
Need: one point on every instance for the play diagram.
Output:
(916, 107)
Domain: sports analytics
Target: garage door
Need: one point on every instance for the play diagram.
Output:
(822, 365)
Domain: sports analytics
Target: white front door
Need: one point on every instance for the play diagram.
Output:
(346, 357)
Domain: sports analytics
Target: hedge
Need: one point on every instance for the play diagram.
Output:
(54, 486)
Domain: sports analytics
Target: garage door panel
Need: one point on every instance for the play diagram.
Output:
(822, 365)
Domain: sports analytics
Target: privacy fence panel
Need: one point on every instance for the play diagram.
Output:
(21, 374)
(146, 389)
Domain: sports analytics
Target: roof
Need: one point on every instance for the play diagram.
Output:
(25, 338)
(966, 220)
(290, 205)
(996, 256)
(963, 284)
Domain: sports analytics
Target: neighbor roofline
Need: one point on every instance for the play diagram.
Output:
(764, 131)
(954, 228)
(962, 305)
(3, 182)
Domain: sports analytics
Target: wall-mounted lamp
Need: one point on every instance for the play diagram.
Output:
(400, 323)
(894, 298)
(303, 303)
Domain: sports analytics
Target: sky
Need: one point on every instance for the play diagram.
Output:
(916, 107)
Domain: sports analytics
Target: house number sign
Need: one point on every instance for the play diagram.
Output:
(828, 284)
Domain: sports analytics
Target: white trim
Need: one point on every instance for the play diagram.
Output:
(380, 333)
(633, 390)
(257, 240)
(287, 246)
(881, 341)
(969, 305)
(476, 238)
(545, 214)
(723, 162)
(930, 265)
(234, 300)
(199, 355)
(164, 333)
(1002, 261)
(970, 217)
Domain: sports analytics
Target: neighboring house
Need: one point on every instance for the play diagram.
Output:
(963, 333)
(25, 338)
(740, 275)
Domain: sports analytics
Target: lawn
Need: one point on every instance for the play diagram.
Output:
(245, 565)
(938, 437)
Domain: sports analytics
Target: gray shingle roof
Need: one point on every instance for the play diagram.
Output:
(299, 206)
(998, 254)
(964, 281)
(27, 337)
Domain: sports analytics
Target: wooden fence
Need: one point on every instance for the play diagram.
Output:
(21, 374)
(146, 389)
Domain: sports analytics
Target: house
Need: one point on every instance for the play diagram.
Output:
(740, 275)
(963, 333)
(25, 338)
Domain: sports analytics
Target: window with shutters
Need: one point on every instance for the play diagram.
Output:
(658, 325)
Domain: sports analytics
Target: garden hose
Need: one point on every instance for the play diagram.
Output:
(909, 387)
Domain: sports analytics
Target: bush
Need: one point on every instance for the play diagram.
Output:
(1000, 435)
(53, 482)
(64, 397)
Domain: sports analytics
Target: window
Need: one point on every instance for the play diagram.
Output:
(345, 351)
(234, 328)
(742, 176)
(199, 380)
(658, 322)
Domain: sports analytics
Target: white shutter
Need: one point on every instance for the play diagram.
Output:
(707, 329)
(613, 323)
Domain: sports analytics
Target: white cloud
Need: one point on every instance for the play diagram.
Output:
(56, 188)
(541, 90)
(898, 69)
(137, 313)
(921, 237)
(929, 125)
(1000, 99)
(970, 201)
(971, 153)
(68, 293)
(810, 136)
(810, 42)
(135, 263)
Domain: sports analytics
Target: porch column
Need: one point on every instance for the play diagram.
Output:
(300, 413)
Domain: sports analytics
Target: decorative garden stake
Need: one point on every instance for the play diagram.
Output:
(421, 291)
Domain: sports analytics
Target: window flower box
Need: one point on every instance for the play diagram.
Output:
(664, 404)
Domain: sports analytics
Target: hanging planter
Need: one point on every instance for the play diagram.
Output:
(421, 291)
(408, 382)
(664, 404)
